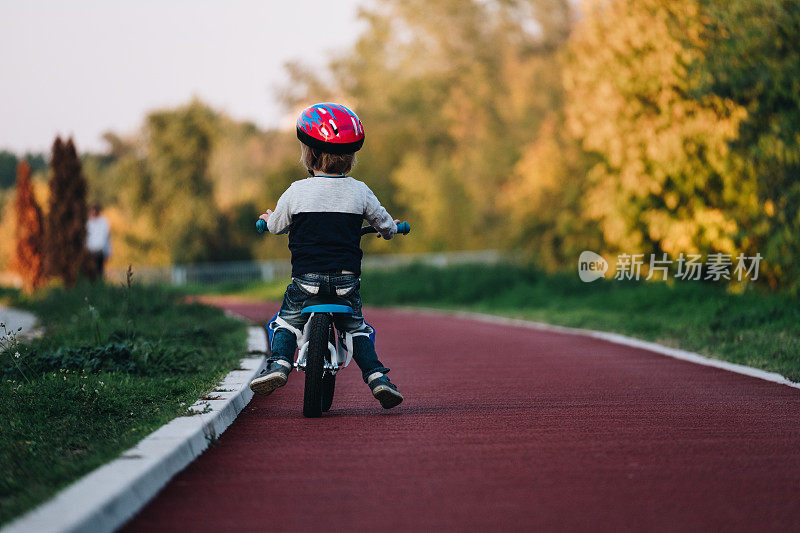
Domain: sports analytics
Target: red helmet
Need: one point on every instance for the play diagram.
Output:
(331, 128)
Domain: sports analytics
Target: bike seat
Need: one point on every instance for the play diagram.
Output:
(326, 304)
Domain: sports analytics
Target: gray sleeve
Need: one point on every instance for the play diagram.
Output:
(280, 219)
(377, 216)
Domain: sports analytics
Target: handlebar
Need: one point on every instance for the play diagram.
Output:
(403, 228)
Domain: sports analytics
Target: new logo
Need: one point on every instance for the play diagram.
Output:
(591, 266)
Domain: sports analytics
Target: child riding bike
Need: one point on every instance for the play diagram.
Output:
(323, 215)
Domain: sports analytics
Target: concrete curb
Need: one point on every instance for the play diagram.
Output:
(617, 338)
(107, 497)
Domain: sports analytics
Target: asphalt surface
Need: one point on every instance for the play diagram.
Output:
(12, 319)
(502, 429)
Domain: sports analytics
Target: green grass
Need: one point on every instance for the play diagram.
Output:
(272, 291)
(113, 365)
(754, 328)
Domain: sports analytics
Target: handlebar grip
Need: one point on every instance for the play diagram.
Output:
(403, 228)
(261, 225)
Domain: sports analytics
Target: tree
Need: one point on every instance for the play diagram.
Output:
(753, 59)
(179, 190)
(65, 238)
(28, 260)
(545, 199)
(449, 93)
(692, 108)
(179, 144)
(665, 180)
(8, 164)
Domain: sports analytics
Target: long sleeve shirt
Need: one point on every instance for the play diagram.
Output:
(98, 235)
(323, 216)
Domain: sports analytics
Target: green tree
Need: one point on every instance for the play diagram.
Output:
(8, 168)
(179, 191)
(183, 188)
(36, 160)
(753, 59)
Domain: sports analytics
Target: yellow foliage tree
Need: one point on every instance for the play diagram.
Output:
(449, 93)
(434, 199)
(666, 179)
(545, 199)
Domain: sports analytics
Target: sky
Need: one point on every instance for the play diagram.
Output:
(85, 67)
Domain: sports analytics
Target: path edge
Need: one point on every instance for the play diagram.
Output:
(107, 497)
(616, 338)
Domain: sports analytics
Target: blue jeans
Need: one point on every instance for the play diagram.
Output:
(284, 342)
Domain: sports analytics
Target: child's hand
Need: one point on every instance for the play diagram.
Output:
(265, 216)
(396, 221)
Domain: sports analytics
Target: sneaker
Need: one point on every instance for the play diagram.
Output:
(274, 376)
(384, 390)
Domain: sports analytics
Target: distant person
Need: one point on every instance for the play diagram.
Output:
(323, 216)
(98, 241)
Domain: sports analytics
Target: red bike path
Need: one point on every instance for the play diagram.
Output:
(503, 428)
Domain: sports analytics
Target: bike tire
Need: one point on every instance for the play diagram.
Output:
(328, 386)
(315, 364)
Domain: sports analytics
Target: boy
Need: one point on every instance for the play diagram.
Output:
(323, 215)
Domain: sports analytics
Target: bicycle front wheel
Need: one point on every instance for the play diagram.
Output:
(328, 386)
(319, 331)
